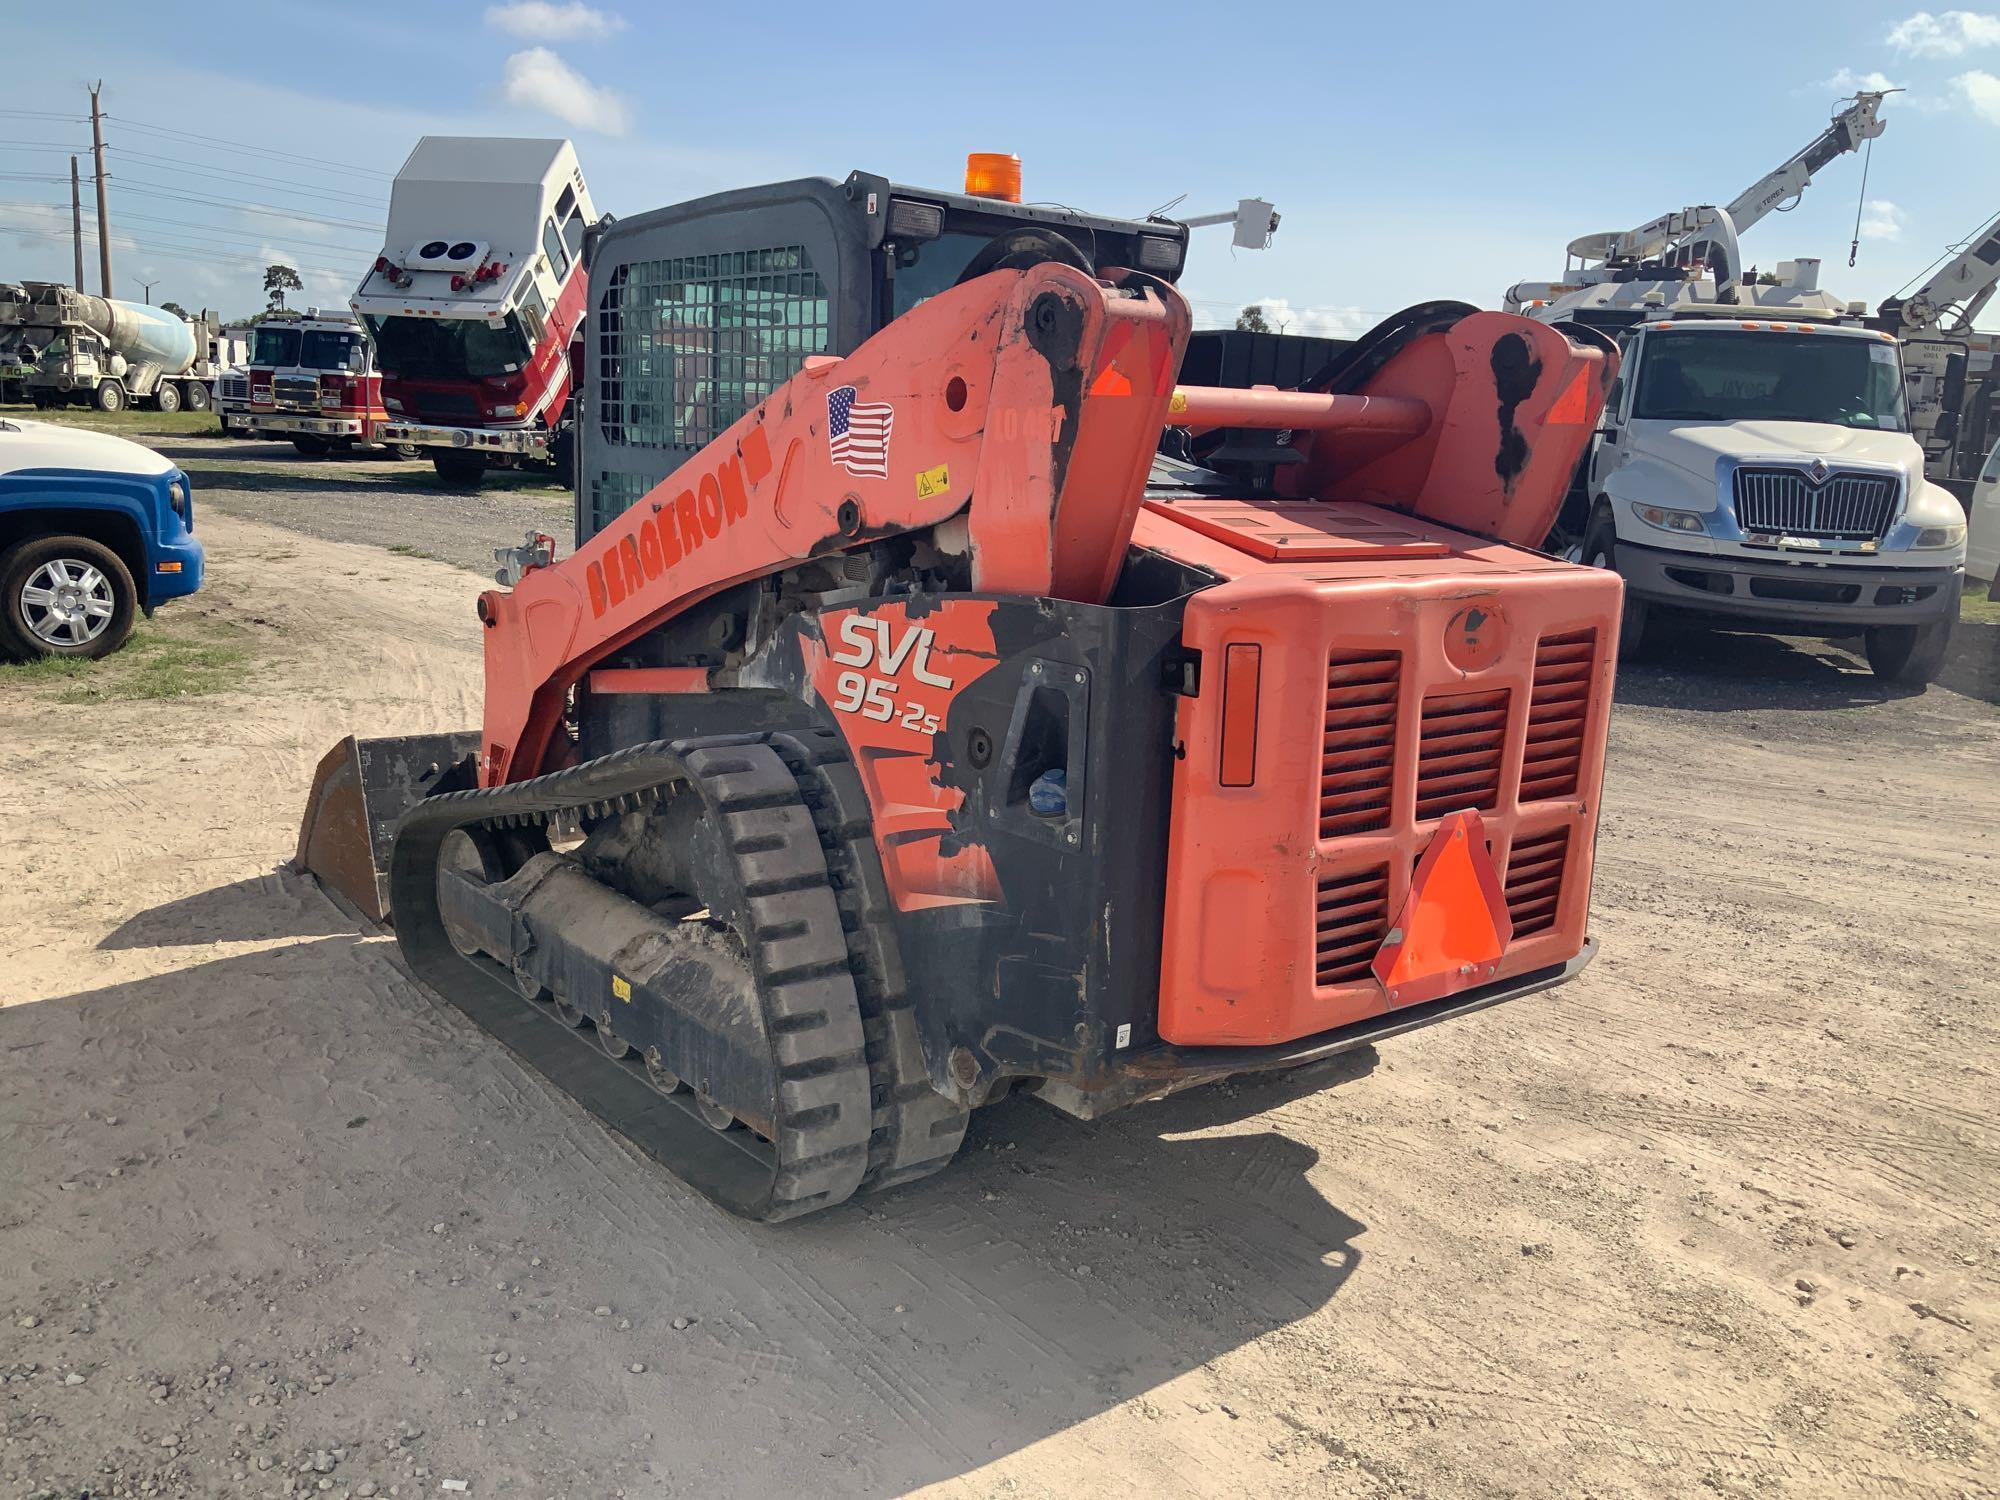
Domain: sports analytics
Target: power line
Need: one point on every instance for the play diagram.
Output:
(186, 230)
(269, 210)
(42, 114)
(180, 167)
(222, 231)
(233, 257)
(224, 145)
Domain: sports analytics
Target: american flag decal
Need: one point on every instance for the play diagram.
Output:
(857, 432)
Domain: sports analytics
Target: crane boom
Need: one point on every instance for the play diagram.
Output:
(1956, 293)
(1860, 121)
(1700, 232)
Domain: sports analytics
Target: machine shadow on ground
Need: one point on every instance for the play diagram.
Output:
(264, 907)
(1055, 1270)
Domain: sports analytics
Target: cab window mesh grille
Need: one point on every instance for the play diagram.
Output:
(611, 494)
(686, 346)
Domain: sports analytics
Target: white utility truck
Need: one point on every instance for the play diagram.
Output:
(1758, 466)
(1947, 364)
(1754, 463)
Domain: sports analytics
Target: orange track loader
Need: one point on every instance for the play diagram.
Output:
(905, 730)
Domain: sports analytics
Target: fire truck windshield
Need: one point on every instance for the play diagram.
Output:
(324, 349)
(450, 348)
(275, 346)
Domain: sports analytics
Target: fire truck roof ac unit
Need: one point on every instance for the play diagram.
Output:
(447, 255)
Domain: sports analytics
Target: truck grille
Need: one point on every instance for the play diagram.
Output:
(233, 388)
(1844, 507)
(442, 406)
(1557, 709)
(296, 392)
(1358, 755)
(1458, 757)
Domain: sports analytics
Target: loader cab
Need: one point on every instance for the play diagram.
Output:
(698, 311)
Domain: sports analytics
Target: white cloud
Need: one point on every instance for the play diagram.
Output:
(1948, 35)
(1323, 321)
(1881, 220)
(539, 21)
(538, 79)
(1982, 92)
(1847, 81)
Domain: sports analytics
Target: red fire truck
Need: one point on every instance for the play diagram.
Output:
(312, 380)
(475, 299)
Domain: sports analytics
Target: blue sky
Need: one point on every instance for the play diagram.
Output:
(1415, 150)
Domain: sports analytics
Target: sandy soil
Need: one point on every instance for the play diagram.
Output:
(1718, 1219)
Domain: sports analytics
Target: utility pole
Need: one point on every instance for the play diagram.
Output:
(76, 220)
(103, 213)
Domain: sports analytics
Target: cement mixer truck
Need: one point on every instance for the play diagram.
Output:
(109, 354)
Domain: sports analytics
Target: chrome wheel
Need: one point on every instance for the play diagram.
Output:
(67, 602)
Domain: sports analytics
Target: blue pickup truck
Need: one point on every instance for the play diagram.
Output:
(94, 531)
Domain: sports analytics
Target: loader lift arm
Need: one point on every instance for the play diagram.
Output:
(1040, 392)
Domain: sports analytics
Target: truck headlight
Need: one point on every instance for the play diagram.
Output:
(177, 496)
(392, 403)
(1941, 536)
(1670, 520)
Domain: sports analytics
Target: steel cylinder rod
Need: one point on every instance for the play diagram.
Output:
(1206, 406)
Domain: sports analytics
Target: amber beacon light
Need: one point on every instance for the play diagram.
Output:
(993, 174)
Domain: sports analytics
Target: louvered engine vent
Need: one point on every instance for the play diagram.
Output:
(1557, 711)
(1534, 881)
(1358, 756)
(1458, 756)
(1353, 919)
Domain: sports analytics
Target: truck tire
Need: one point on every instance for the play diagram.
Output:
(64, 596)
(311, 447)
(1600, 550)
(459, 470)
(197, 397)
(111, 396)
(1909, 655)
(168, 397)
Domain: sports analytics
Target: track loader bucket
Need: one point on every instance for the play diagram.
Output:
(359, 791)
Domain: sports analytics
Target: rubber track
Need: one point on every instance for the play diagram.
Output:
(915, 1129)
(794, 937)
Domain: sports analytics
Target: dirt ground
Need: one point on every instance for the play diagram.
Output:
(1717, 1219)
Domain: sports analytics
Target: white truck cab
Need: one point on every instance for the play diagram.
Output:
(1756, 464)
(1982, 546)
